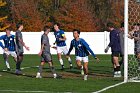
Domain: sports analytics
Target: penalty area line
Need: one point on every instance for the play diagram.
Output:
(109, 87)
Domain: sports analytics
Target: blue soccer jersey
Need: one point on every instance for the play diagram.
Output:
(1, 45)
(59, 34)
(9, 42)
(82, 49)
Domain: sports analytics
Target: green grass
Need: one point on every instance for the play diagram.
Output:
(100, 76)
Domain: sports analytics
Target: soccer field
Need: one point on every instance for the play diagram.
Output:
(100, 76)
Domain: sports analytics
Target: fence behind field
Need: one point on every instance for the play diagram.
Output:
(96, 40)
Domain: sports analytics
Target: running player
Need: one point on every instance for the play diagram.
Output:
(9, 47)
(82, 50)
(61, 45)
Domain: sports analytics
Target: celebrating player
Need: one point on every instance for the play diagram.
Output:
(82, 50)
(45, 53)
(19, 47)
(115, 48)
(61, 45)
(9, 47)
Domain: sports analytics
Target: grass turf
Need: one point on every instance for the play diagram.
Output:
(100, 76)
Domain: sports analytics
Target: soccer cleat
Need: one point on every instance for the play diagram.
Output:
(85, 77)
(115, 74)
(8, 69)
(119, 74)
(71, 66)
(82, 72)
(56, 76)
(62, 67)
(18, 72)
(38, 75)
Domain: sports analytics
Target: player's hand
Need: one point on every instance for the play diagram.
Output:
(60, 39)
(106, 50)
(6, 51)
(40, 53)
(27, 48)
(54, 47)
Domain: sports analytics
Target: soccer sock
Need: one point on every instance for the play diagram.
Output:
(69, 59)
(7, 64)
(52, 70)
(118, 68)
(40, 68)
(61, 62)
(81, 67)
(18, 65)
(115, 69)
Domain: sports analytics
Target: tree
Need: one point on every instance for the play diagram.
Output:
(26, 11)
(75, 15)
(3, 26)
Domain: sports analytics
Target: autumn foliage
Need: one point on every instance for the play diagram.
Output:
(85, 15)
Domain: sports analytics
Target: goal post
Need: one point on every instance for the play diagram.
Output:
(126, 40)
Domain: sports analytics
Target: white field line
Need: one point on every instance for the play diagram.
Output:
(109, 87)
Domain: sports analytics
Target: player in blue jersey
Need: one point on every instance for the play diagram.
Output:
(115, 48)
(82, 50)
(9, 47)
(1, 45)
(61, 45)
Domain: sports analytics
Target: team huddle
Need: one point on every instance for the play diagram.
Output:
(13, 45)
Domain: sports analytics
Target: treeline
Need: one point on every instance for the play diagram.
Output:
(85, 15)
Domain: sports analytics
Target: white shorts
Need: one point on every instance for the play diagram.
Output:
(12, 53)
(84, 59)
(62, 49)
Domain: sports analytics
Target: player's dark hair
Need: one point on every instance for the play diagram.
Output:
(18, 25)
(76, 30)
(46, 28)
(9, 28)
(57, 24)
(122, 24)
(110, 24)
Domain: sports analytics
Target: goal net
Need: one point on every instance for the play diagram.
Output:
(133, 63)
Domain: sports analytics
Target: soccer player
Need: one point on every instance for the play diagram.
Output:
(1, 45)
(9, 42)
(45, 53)
(61, 45)
(82, 50)
(19, 47)
(121, 34)
(115, 48)
(135, 34)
